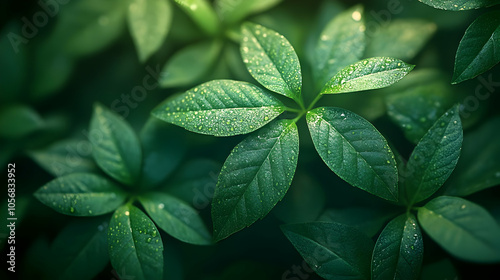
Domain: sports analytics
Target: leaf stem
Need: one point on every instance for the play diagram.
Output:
(318, 97)
(293, 110)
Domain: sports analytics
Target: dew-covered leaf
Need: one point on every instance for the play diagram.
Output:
(134, 244)
(149, 22)
(434, 158)
(231, 11)
(88, 253)
(115, 146)
(478, 50)
(202, 13)
(255, 176)
(334, 251)
(81, 194)
(460, 5)
(355, 150)
(17, 121)
(341, 43)
(478, 167)
(400, 38)
(221, 108)
(190, 64)
(370, 73)
(271, 60)
(65, 157)
(464, 229)
(399, 250)
(176, 218)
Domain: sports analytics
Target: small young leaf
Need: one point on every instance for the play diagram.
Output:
(434, 157)
(460, 5)
(149, 22)
(271, 60)
(341, 43)
(163, 150)
(370, 73)
(202, 13)
(87, 255)
(464, 229)
(231, 11)
(355, 150)
(255, 176)
(478, 167)
(188, 65)
(81, 194)
(134, 244)
(65, 157)
(399, 250)
(17, 121)
(115, 146)
(334, 251)
(176, 218)
(400, 38)
(221, 108)
(478, 49)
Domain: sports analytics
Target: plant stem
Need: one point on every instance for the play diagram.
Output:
(318, 97)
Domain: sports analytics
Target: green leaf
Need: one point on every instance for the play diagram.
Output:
(163, 149)
(367, 220)
(334, 251)
(478, 49)
(400, 38)
(345, 140)
(115, 146)
(65, 157)
(221, 108)
(149, 22)
(271, 60)
(370, 73)
(87, 255)
(341, 43)
(255, 176)
(231, 11)
(134, 244)
(464, 229)
(81, 194)
(176, 218)
(190, 64)
(399, 250)
(460, 5)
(202, 13)
(85, 27)
(18, 121)
(416, 102)
(434, 157)
(478, 167)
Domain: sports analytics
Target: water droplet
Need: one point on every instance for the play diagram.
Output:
(148, 240)
(463, 207)
(356, 16)
(127, 213)
(72, 210)
(161, 206)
